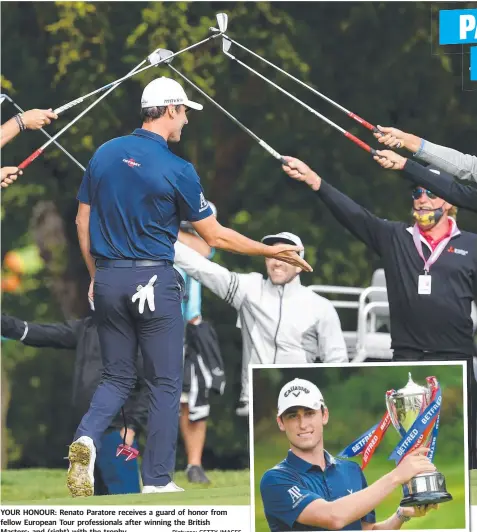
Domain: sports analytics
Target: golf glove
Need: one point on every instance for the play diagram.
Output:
(145, 293)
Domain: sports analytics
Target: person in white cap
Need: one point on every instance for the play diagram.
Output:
(282, 321)
(134, 194)
(312, 490)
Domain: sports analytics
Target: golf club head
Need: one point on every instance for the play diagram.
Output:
(222, 21)
(161, 54)
(226, 44)
(4, 97)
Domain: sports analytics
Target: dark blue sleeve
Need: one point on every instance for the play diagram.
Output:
(85, 187)
(192, 203)
(284, 499)
(371, 517)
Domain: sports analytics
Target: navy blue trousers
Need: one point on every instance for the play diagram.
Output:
(160, 335)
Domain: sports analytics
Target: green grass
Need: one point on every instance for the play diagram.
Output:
(47, 486)
(450, 515)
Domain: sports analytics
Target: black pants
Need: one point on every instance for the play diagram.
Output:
(401, 355)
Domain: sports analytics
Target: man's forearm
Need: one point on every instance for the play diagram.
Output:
(84, 242)
(9, 131)
(463, 166)
(230, 240)
(354, 507)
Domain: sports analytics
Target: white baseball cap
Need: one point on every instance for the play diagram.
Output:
(299, 392)
(284, 237)
(165, 91)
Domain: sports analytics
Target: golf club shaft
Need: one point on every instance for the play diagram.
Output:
(66, 152)
(352, 115)
(262, 143)
(350, 136)
(40, 150)
(137, 70)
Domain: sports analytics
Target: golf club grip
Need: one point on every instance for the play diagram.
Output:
(30, 159)
(364, 122)
(359, 142)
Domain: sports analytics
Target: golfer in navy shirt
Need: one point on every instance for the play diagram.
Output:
(133, 196)
(312, 490)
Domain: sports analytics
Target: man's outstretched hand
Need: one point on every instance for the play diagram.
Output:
(289, 254)
(395, 138)
(300, 171)
(390, 160)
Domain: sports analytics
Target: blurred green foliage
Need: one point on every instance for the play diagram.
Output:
(373, 57)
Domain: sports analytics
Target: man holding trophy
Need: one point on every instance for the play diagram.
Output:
(312, 490)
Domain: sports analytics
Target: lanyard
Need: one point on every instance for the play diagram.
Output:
(416, 236)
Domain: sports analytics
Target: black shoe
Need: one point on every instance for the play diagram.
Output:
(196, 474)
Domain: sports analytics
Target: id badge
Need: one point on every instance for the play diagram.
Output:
(424, 285)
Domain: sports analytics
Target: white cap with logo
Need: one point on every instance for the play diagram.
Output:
(164, 91)
(299, 392)
(285, 238)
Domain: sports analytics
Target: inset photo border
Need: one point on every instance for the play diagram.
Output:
(354, 399)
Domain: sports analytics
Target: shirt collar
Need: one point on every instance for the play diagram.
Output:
(303, 466)
(433, 242)
(140, 132)
(454, 230)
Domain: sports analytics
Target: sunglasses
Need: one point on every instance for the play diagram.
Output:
(419, 191)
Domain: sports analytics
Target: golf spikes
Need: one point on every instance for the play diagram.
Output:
(222, 22)
(145, 293)
(161, 54)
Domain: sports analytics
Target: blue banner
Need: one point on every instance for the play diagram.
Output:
(458, 26)
(357, 446)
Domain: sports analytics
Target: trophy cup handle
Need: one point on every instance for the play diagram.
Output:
(391, 407)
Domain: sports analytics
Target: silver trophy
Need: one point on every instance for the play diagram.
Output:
(404, 407)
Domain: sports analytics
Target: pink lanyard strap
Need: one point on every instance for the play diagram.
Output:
(416, 236)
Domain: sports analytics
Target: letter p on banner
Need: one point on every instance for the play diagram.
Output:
(458, 26)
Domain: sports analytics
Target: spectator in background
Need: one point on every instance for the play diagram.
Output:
(203, 366)
(460, 165)
(431, 274)
(281, 320)
(113, 475)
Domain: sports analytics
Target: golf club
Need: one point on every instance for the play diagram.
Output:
(222, 20)
(41, 149)
(225, 48)
(167, 56)
(67, 153)
(352, 115)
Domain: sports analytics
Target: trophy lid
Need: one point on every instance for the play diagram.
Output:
(412, 388)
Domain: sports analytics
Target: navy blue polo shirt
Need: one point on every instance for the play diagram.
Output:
(139, 192)
(289, 487)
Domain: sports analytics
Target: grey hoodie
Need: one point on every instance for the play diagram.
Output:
(287, 324)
